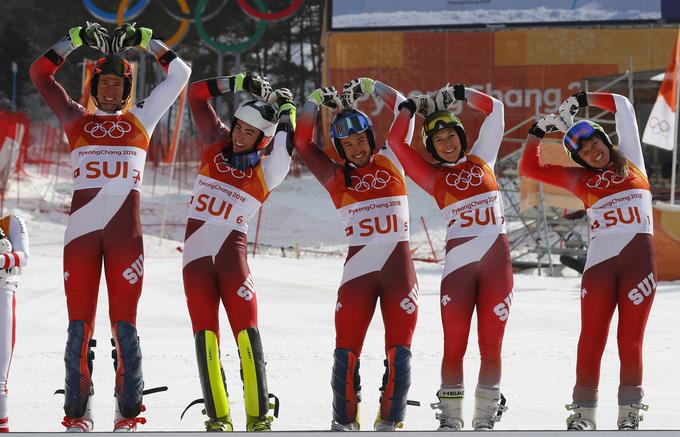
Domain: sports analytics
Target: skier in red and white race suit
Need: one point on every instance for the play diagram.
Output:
(369, 192)
(13, 259)
(108, 151)
(620, 270)
(477, 268)
(234, 180)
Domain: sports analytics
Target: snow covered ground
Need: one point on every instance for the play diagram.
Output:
(296, 305)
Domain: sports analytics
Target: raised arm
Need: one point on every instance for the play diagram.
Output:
(275, 167)
(491, 133)
(531, 166)
(42, 73)
(18, 236)
(626, 125)
(150, 110)
(321, 166)
(421, 171)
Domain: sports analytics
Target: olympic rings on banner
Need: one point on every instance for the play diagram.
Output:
(174, 39)
(181, 16)
(110, 17)
(271, 16)
(238, 47)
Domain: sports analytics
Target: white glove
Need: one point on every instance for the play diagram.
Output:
(327, 96)
(444, 98)
(356, 88)
(280, 96)
(6, 273)
(568, 110)
(5, 246)
(425, 105)
(552, 123)
(258, 86)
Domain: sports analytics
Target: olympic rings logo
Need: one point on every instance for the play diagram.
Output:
(658, 126)
(376, 181)
(223, 167)
(602, 181)
(197, 17)
(108, 128)
(464, 179)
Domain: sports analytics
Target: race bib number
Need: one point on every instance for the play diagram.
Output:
(382, 220)
(627, 211)
(222, 204)
(477, 215)
(118, 169)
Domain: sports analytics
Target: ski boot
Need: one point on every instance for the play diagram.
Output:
(254, 377)
(451, 406)
(581, 419)
(127, 361)
(395, 385)
(630, 417)
(213, 383)
(78, 387)
(221, 424)
(335, 426)
(127, 424)
(489, 407)
(346, 385)
(80, 424)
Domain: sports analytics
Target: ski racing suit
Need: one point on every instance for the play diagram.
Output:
(477, 268)
(215, 262)
(108, 152)
(13, 259)
(620, 268)
(374, 212)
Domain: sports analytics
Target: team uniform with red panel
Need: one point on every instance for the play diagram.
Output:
(477, 268)
(620, 270)
(13, 259)
(374, 212)
(223, 202)
(108, 152)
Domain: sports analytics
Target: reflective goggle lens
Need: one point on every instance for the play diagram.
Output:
(347, 126)
(444, 120)
(578, 132)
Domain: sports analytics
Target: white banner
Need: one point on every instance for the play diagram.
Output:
(660, 128)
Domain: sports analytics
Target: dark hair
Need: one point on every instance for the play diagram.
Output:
(621, 167)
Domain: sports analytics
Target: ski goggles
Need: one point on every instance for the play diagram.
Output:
(578, 132)
(346, 126)
(113, 65)
(440, 121)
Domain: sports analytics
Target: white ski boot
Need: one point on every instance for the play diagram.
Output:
(630, 417)
(451, 406)
(581, 419)
(125, 424)
(387, 425)
(80, 424)
(489, 406)
(335, 426)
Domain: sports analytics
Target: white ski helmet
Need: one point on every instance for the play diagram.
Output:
(260, 115)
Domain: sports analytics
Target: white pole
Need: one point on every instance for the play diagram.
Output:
(675, 133)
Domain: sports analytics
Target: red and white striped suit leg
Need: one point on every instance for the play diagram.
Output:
(7, 339)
